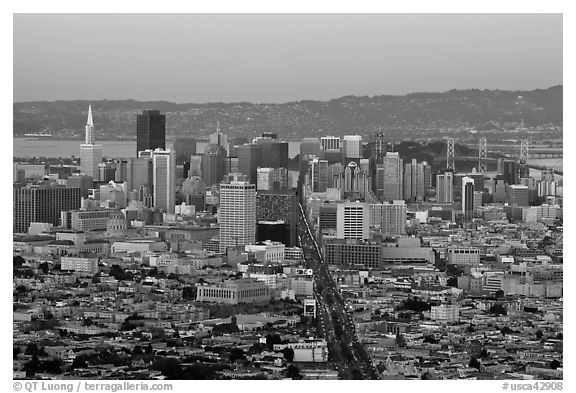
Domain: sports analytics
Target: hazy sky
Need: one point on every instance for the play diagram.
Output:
(279, 57)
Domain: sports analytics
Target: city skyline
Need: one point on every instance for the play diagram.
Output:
(338, 55)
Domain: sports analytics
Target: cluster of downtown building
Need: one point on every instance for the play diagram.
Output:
(382, 224)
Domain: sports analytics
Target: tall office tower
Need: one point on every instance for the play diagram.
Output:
(328, 216)
(42, 203)
(121, 174)
(530, 182)
(517, 195)
(309, 147)
(499, 192)
(213, 162)
(414, 181)
(547, 174)
(83, 182)
(510, 172)
(363, 183)
(393, 218)
(352, 146)
(164, 175)
(231, 165)
(467, 197)
(90, 152)
(249, 159)
(546, 188)
(237, 215)
(184, 146)
(107, 171)
(379, 144)
(318, 173)
(444, 187)
(392, 177)
(280, 179)
(139, 172)
(352, 220)
(150, 131)
(274, 152)
(333, 174)
(279, 206)
(218, 138)
(195, 166)
(330, 143)
(264, 179)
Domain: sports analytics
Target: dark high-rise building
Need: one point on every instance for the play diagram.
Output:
(510, 172)
(185, 147)
(467, 197)
(275, 206)
(43, 203)
(213, 162)
(249, 159)
(274, 153)
(150, 131)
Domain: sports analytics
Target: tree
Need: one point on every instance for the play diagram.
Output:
(293, 372)
(288, 354)
(498, 309)
(539, 334)
(554, 364)
(474, 363)
(400, 340)
(44, 267)
(18, 261)
(272, 339)
(236, 354)
(356, 374)
(189, 293)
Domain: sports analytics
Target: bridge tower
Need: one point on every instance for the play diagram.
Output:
(450, 153)
(524, 149)
(482, 151)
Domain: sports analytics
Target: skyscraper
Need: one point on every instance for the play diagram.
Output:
(150, 131)
(392, 177)
(352, 146)
(414, 180)
(352, 220)
(42, 203)
(394, 218)
(185, 147)
(467, 197)
(318, 175)
(444, 187)
(90, 152)
(249, 159)
(213, 164)
(139, 173)
(274, 153)
(218, 138)
(237, 215)
(164, 175)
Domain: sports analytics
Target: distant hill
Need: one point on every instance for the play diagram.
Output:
(416, 112)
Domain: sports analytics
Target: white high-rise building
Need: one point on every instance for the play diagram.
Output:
(237, 215)
(164, 177)
(352, 146)
(352, 220)
(444, 187)
(264, 179)
(394, 218)
(90, 152)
